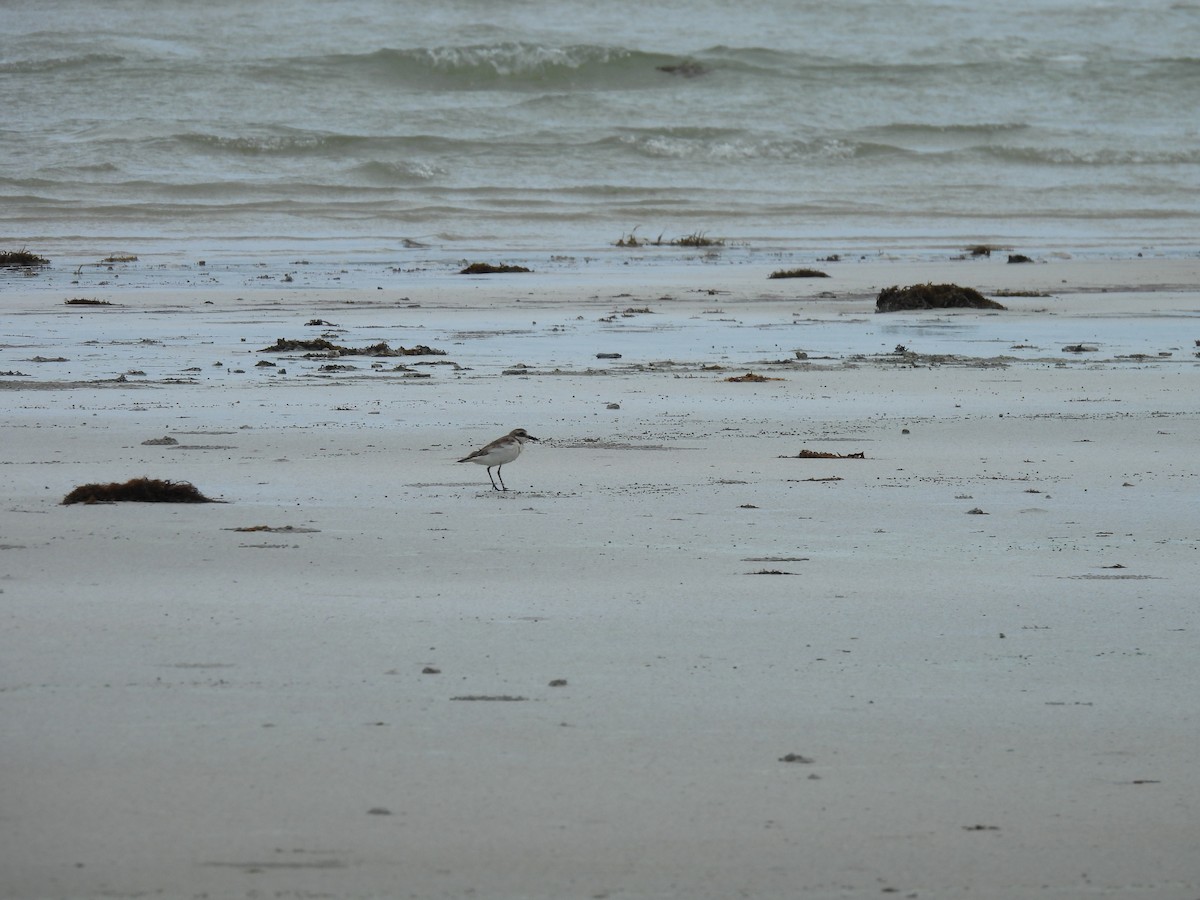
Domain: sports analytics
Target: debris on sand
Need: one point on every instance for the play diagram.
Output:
(508, 698)
(323, 348)
(817, 454)
(489, 269)
(751, 378)
(931, 296)
(84, 301)
(137, 490)
(797, 758)
(276, 529)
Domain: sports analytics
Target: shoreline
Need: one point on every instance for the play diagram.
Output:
(961, 664)
(353, 265)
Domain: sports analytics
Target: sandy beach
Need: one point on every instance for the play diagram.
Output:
(952, 654)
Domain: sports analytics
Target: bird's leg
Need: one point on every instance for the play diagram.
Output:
(503, 486)
(493, 480)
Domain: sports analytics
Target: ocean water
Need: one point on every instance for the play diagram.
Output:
(524, 126)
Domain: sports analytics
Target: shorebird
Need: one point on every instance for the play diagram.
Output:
(498, 452)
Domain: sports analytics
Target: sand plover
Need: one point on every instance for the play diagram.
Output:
(498, 452)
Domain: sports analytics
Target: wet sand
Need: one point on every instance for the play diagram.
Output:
(681, 657)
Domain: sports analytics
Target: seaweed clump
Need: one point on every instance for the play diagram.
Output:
(137, 490)
(698, 239)
(751, 378)
(798, 273)
(695, 239)
(931, 296)
(15, 259)
(821, 454)
(490, 269)
(323, 348)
